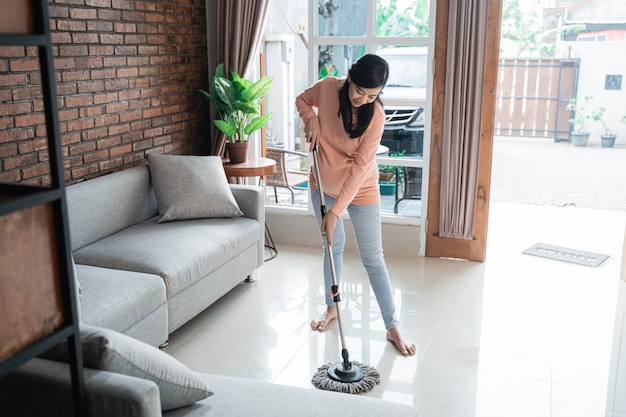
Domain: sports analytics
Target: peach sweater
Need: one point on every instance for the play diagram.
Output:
(348, 168)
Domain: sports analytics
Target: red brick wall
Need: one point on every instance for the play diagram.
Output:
(127, 75)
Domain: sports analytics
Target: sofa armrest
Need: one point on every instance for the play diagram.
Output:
(43, 387)
(251, 200)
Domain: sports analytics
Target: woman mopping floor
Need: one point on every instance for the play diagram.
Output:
(346, 130)
(352, 377)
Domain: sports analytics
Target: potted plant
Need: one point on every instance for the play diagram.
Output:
(607, 136)
(580, 132)
(238, 104)
(387, 176)
(387, 179)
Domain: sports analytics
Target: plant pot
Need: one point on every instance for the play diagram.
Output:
(608, 141)
(237, 151)
(386, 176)
(387, 188)
(580, 139)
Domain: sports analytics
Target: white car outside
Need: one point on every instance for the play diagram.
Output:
(407, 83)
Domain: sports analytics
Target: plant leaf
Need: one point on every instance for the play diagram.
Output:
(219, 71)
(256, 123)
(259, 88)
(225, 127)
(224, 91)
(205, 94)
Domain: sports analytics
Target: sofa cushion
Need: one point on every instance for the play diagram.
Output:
(191, 187)
(119, 300)
(179, 252)
(42, 387)
(111, 351)
(102, 206)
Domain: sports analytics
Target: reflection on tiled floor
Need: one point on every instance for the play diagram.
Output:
(516, 335)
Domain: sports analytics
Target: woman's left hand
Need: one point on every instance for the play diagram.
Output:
(329, 221)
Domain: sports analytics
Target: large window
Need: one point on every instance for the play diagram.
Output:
(326, 37)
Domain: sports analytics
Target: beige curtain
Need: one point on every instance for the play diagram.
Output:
(467, 27)
(239, 31)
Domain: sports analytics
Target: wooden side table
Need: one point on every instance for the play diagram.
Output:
(257, 167)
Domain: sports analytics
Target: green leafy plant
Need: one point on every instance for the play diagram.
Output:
(238, 104)
(581, 113)
(404, 21)
(387, 173)
(598, 116)
(524, 33)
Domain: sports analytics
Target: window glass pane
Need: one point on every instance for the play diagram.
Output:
(337, 59)
(400, 190)
(407, 66)
(402, 18)
(288, 41)
(404, 142)
(341, 18)
(289, 184)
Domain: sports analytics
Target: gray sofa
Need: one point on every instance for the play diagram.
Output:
(41, 388)
(140, 280)
(144, 278)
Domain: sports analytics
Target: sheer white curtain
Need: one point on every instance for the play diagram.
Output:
(467, 26)
(239, 32)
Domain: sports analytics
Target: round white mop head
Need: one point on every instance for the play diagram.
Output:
(323, 380)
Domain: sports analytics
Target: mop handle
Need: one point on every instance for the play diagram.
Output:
(335, 287)
(331, 259)
(319, 181)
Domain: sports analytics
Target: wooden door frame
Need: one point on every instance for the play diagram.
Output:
(436, 246)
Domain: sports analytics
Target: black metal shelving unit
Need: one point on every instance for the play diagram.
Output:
(19, 198)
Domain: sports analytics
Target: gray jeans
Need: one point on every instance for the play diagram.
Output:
(367, 233)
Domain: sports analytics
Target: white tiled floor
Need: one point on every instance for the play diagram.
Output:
(516, 335)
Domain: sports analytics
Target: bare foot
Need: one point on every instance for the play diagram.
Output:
(403, 346)
(329, 315)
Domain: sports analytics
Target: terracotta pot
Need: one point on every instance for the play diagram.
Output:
(237, 152)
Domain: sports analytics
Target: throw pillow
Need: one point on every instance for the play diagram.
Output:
(191, 187)
(111, 351)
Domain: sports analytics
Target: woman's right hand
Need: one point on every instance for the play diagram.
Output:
(329, 222)
(312, 131)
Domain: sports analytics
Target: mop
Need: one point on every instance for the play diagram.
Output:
(347, 376)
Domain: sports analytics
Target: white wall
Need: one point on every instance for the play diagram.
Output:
(299, 229)
(597, 59)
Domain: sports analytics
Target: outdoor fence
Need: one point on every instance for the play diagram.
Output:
(532, 97)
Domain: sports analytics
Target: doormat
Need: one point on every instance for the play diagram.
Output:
(559, 253)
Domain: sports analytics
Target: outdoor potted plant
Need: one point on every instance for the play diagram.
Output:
(607, 136)
(580, 132)
(387, 179)
(238, 104)
(387, 176)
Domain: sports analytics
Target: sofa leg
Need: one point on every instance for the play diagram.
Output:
(252, 277)
(164, 344)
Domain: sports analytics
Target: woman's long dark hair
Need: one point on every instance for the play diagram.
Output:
(370, 71)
